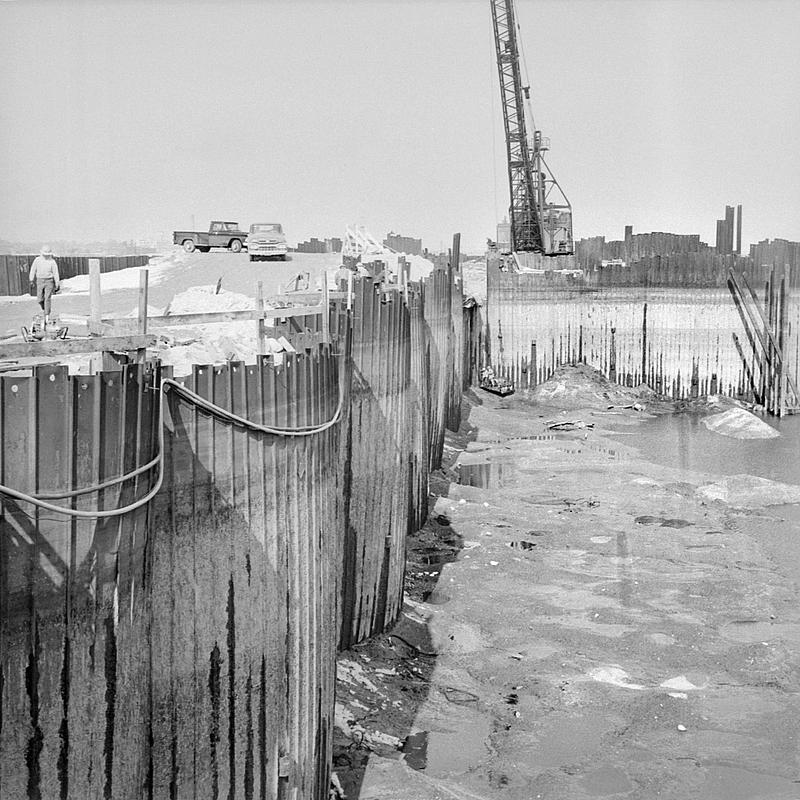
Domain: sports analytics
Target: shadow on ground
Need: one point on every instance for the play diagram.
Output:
(386, 679)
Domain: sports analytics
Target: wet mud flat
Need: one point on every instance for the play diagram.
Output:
(583, 621)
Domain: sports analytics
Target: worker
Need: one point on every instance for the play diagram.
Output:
(341, 278)
(44, 272)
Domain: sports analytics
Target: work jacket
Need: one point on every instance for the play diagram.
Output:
(44, 268)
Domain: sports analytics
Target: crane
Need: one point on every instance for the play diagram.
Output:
(540, 214)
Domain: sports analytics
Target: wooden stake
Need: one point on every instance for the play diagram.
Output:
(260, 337)
(95, 313)
(350, 290)
(143, 301)
(326, 310)
(644, 345)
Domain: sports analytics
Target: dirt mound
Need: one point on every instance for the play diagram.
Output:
(582, 386)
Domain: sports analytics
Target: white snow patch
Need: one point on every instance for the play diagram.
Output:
(346, 722)
(749, 491)
(206, 300)
(614, 675)
(121, 279)
(352, 672)
(681, 684)
(739, 423)
(16, 298)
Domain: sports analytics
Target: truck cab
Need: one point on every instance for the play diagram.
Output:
(219, 234)
(226, 234)
(266, 240)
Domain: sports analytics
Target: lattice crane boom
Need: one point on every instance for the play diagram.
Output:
(540, 214)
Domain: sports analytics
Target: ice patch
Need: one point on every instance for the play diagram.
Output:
(740, 424)
(749, 491)
(614, 675)
(353, 673)
(681, 684)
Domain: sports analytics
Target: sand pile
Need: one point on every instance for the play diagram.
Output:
(582, 386)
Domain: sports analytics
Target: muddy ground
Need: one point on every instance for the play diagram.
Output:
(581, 623)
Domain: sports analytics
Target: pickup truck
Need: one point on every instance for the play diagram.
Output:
(220, 234)
(266, 240)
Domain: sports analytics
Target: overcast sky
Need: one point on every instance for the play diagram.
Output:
(128, 119)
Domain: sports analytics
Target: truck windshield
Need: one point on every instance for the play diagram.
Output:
(266, 228)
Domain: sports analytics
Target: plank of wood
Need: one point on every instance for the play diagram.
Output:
(63, 347)
(128, 323)
(14, 365)
(183, 319)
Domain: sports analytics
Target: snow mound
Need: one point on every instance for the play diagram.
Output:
(749, 491)
(583, 386)
(474, 276)
(740, 424)
(121, 279)
(206, 300)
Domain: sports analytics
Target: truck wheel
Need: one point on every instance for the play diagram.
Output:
(188, 245)
(236, 246)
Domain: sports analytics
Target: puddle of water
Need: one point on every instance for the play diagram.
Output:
(445, 753)
(433, 556)
(415, 750)
(521, 544)
(749, 631)
(569, 444)
(436, 597)
(564, 740)
(733, 783)
(488, 475)
(606, 781)
(662, 522)
(684, 442)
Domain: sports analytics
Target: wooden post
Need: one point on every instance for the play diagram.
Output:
(350, 290)
(644, 345)
(326, 309)
(612, 357)
(95, 313)
(533, 366)
(695, 385)
(455, 253)
(260, 338)
(143, 301)
(781, 330)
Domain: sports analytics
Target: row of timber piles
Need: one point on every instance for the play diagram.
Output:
(14, 270)
(766, 353)
(405, 389)
(185, 645)
(681, 342)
